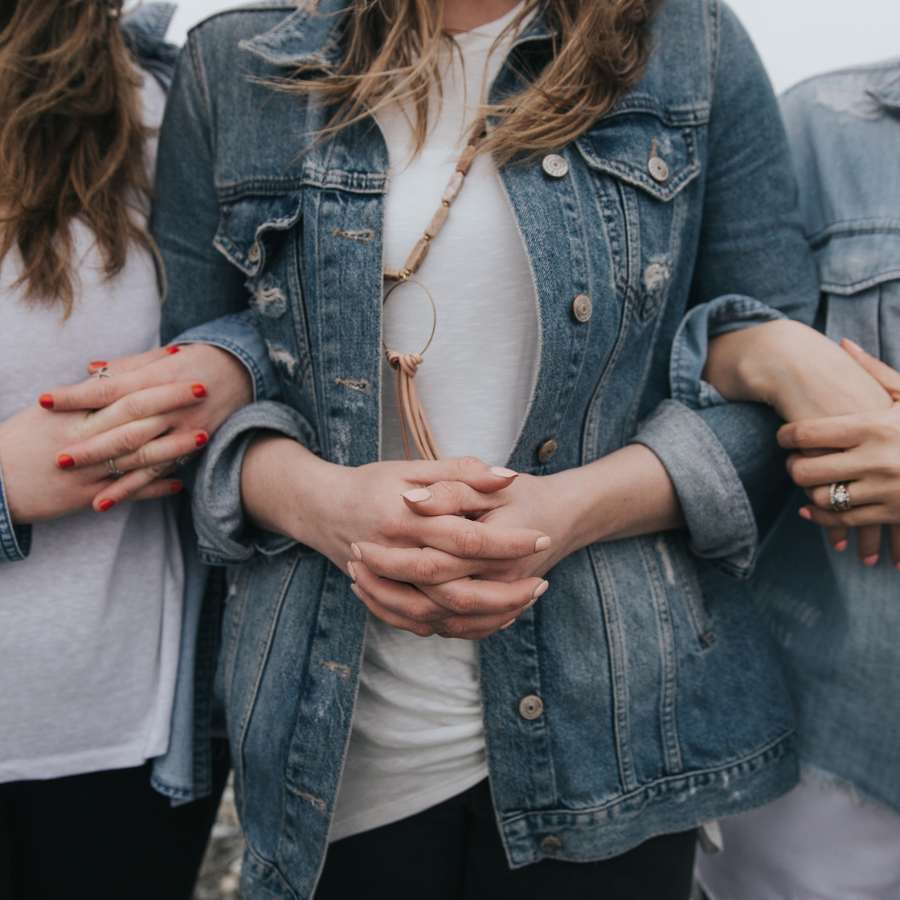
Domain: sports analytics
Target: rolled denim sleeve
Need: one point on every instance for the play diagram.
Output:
(691, 344)
(238, 335)
(223, 533)
(15, 540)
(753, 264)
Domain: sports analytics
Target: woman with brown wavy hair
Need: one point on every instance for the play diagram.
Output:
(90, 605)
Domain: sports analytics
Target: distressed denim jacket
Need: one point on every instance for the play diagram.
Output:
(661, 704)
(835, 621)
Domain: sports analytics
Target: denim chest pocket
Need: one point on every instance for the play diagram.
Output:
(650, 159)
(258, 234)
(860, 278)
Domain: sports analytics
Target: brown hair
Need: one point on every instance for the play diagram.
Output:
(71, 141)
(600, 48)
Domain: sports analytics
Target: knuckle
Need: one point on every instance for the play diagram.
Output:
(424, 569)
(469, 540)
(463, 600)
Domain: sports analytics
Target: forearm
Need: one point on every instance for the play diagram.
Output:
(624, 494)
(793, 368)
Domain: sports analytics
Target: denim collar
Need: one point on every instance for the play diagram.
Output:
(309, 35)
(888, 94)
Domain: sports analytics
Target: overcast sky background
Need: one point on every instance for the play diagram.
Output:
(796, 38)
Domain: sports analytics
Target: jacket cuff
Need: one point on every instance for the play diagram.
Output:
(15, 540)
(224, 536)
(239, 336)
(731, 312)
(715, 505)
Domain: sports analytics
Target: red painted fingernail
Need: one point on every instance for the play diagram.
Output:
(198, 390)
(840, 546)
(97, 363)
(201, 440)
(106, 504)
(171, 349)
(46, 400)
(805, 514)
(870, 560)
(175, 486)
(64, 461)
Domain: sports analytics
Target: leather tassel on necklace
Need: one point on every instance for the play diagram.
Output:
(412, 415)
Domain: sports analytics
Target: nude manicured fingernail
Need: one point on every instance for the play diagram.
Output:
(106, 504)
(356, 551)
(418, 495)
(356, 590)
(501, 472)
(542, 543)
(175, 486)
(201, 439)
(351, 571)
(805, 514)
(540, 591)
(64, 461)
(840, 546)
(198, 390)
(853, 344)
(46, 400)
(171, 349)
(510, 622)
(97, 363)
(870, 560)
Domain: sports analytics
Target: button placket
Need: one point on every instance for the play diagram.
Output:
(531, 707)
(554, 165)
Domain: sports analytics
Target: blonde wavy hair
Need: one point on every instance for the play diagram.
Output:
(71, 141)
(391, 52)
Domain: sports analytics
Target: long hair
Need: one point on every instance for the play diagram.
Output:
(71, 141)
(391, 53)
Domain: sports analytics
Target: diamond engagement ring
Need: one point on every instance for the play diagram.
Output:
(102, 372)
(839, 495)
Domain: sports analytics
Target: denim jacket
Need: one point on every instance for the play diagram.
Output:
(660, 704)
(835, 621)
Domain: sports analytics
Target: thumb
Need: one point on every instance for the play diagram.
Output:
(887, 377)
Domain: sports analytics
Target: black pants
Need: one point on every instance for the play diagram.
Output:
(103, 836)
(453, 852)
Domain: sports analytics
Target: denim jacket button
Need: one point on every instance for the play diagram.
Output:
(531, 707)
(658, 168)
(551, 844)
(582, 308)
(254, 253)
(554, 165)
(547, 450)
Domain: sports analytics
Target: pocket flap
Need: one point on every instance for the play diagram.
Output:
(623, 146)
(244, 221)
(849, 263)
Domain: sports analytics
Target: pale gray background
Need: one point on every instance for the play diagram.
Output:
(796, 38)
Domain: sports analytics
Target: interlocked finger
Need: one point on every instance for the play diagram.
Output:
(174, 449)
(138, 484)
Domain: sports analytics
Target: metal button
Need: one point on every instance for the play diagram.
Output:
(255, 253)
(547, 449)
(658, 168)
(531, 707)
(551, 844)
(554, 165)
(582, 308)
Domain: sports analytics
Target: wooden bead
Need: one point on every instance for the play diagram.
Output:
(417, 257)
(453, 188)
(392, 273)
(467, 158)
(437, 221)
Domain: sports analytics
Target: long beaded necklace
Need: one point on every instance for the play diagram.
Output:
(412, 415)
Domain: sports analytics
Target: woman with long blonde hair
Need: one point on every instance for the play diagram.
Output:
(91, 600)
(467, 232)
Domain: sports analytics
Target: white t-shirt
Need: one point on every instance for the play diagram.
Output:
(90, 622)
(418, 737)
(815, 843)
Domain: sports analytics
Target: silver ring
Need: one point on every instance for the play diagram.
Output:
(102, 372)
(839, 495)
(182, 460)
(114, 470)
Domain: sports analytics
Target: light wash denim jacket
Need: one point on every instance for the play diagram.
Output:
(835, 621)
(662, 705)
